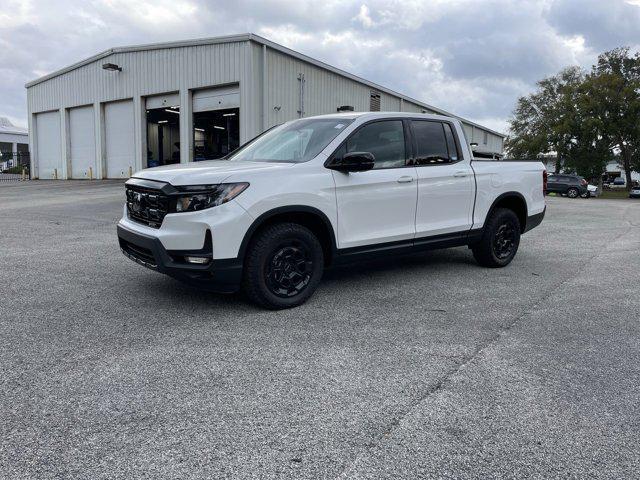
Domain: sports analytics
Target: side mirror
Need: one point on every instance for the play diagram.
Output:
(353, 162)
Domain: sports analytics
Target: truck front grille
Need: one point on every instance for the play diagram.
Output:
(146, 205)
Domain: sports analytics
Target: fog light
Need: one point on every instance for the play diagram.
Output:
(197, 260)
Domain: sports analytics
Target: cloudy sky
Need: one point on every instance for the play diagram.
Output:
(470, 57)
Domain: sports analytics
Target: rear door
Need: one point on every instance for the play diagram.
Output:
(445, 180)
(379, 205)
(563, 183)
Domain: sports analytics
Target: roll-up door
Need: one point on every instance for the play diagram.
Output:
(82, 140)
(163, 101)
(216, 99)
(119, 138)
(48, 144)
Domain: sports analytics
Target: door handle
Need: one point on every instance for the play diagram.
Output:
(405, 179)
(461, 174)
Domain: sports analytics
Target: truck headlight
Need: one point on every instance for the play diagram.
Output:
(199, 197)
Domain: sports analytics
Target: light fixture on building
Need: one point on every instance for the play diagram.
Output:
(112, 67)
(163, 121)
(172, 111)
(219, 128)
(199, 129)
(228, 114)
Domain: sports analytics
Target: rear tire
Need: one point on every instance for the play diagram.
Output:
(500, 239)
(283, 266)
(573, 193)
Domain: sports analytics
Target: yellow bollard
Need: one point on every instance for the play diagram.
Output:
(130, 171)
(24, 174)
(90, 173)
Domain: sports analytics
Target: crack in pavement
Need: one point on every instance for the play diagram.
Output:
(441, 384)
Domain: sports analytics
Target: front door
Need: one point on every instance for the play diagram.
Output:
(445, 180)
(379, 205)
(553, 183)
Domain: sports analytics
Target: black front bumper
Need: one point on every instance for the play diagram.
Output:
(218, 275)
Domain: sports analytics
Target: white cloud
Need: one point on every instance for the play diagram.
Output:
(470, 57)
(364, 17)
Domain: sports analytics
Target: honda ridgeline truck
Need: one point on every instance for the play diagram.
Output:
(325, 190)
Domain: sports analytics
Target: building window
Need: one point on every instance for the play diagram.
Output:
(374, 101)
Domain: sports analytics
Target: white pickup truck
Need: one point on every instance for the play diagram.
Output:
(324, 190)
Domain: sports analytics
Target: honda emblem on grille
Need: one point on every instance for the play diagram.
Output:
(136, 204)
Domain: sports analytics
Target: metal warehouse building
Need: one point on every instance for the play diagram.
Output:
(135, 107)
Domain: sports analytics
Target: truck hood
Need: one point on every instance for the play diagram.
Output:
(207, 172)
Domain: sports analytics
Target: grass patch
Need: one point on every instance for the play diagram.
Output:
(612, 194)
(17, 169)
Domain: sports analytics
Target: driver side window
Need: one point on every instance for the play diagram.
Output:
(385, 140)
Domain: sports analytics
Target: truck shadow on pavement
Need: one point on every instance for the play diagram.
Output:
(356, 275)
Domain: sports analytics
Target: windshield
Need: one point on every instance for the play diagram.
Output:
(292, 142)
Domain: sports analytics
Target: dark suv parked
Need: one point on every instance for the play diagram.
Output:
(570, 185)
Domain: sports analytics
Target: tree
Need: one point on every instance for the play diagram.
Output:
(611, 96)
(590, 150)
(545, 121)
(584, 118)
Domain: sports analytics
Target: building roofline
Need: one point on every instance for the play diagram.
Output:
(251, 37)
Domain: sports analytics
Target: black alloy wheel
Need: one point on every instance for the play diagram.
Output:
(289, 270)
(500, 239)
(283, 266)
(504, 240)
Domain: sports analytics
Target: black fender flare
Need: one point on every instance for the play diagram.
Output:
(263, 218)
(501, 197)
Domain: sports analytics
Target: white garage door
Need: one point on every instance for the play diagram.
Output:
(82, 138)
(216, 99)
(48, 144)
(119, 140)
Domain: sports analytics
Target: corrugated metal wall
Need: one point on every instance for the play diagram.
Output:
(144, 73)
(267, 79)
(325, 91)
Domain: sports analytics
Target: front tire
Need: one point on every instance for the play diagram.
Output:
(573, 193)
(500, 239)
(283, 266)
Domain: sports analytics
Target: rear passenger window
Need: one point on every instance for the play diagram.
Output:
(432, 143)
(385, 140)
(451, 143)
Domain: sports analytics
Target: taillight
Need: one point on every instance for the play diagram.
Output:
(544, 182)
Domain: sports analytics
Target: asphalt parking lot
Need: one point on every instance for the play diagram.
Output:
(419, 367)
